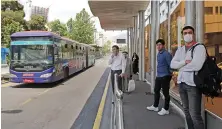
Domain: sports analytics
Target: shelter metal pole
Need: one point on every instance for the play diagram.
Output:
(200, 38)
(127, 40)
(131, 42)
(135, 33)
(158, 20)
(152, 43)
(168, 27)
(141, 45)
(189, 13)
(200, 21)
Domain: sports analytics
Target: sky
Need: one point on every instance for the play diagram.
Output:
(65, 9)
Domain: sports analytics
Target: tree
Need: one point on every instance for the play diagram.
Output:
(58, 27)
(107, 46)
(11, 5)
(82, 28)
(12, 20)
(11, 27)
(37, 22)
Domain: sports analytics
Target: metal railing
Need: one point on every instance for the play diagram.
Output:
(117, 113)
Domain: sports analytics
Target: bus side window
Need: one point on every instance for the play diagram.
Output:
(57, 54)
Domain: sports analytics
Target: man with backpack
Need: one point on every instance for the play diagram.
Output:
(188, 61)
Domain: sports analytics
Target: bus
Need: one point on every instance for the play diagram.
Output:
(45, 57)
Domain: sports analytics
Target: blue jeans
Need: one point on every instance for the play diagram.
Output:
(191, 98)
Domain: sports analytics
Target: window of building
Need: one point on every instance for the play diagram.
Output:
(216, 10)
(221, 10)
(208, 10)
(171, 5)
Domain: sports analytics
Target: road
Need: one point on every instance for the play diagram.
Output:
(54, 106)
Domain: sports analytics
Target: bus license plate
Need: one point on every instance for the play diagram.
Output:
(28, 80)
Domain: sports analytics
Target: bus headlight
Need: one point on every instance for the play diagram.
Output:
(46, 75)
(53, 70)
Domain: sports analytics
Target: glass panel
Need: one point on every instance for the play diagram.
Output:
(213, 33)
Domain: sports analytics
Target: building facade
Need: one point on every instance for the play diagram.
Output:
(36, 10)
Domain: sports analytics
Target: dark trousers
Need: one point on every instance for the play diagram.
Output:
(164, 83)
(191, 98)
(113, 72)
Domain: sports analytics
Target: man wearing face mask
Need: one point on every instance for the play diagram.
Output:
(189, 93)
(118, 65)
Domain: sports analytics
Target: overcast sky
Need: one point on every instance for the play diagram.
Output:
(65, 9)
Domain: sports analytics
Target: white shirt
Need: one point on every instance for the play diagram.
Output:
(118, 62)
(186, 71)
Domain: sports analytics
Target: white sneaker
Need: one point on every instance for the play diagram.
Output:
(152, 108)
(163, 112)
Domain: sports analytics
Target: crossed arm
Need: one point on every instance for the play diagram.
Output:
(176, 63)
(199, 57)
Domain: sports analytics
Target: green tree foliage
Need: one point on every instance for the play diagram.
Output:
(9, 28)
(12, 20)
(11, 5)
(37, 22)
(58, 27)
(82, 28)
(106, 47)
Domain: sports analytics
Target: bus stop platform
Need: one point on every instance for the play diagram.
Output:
(136, 116)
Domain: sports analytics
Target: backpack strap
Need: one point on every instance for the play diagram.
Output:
(192, 49)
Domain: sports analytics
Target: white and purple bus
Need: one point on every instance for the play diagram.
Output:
(45, 57)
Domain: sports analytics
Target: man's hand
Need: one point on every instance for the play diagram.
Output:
(122, 75)
(112, 56)
(187, 61)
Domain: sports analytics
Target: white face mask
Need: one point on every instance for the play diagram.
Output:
(188, 38)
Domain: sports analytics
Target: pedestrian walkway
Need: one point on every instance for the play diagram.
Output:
(136, 116)
(4, 69)
(4, 72)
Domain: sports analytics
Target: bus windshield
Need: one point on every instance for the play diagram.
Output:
(36, 57)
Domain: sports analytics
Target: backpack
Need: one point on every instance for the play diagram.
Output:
(207, 78)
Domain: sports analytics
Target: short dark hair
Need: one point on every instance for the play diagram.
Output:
(115, 46)
(187, 27)
(160, 41)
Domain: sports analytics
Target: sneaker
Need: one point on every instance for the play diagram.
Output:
(163, 112)
(152, 108)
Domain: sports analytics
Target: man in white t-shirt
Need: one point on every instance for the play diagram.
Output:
(118, 65)
(190, 95)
